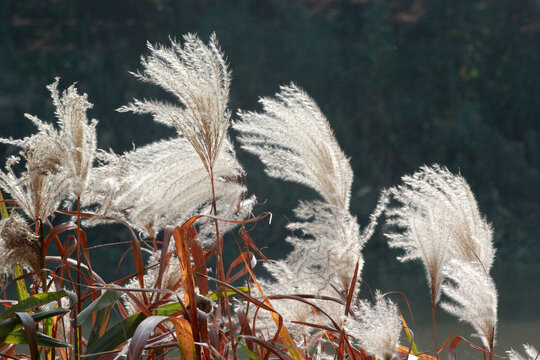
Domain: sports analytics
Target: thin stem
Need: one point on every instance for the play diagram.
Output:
(78, 340)
(224, 304)
(434, 325)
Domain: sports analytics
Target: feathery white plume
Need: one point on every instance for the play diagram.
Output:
(473, 295)
(165, 183)
(438, 219)
(77, 136)
(18, 245)
(198, 76)
(530, 353)
(376, 328)
(295, 142)
(56, 160)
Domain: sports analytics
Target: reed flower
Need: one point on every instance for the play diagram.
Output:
(56, 160)
(294, 140)
(18, 245)
(530, 353)
(164, 183)
(375, 327)
(437, 219)
(198, 76)
(77, 139)
(474, 297)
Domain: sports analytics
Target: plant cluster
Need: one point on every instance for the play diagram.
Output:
(179, 197)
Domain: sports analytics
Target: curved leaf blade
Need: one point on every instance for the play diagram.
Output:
(108, 298)
(32, 302)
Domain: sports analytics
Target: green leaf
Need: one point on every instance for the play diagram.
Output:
(168, 309)
(12, 324)
(20, 285)
(116, 335)
(99, 329)
(108, 298)
(19, 337)
(250, 353)
(32, 302)
(220, 294)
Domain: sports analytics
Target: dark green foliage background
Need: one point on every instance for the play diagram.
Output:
(457, 84)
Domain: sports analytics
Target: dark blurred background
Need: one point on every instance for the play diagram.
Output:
(402, 82)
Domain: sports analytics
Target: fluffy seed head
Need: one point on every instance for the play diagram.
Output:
(18, 245)
(474, 297)
(376, 327)
(197, 75)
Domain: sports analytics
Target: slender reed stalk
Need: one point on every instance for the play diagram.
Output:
(434, 317)
(78, 334)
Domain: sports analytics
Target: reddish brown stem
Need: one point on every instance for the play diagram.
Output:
(78, 334)
(434, 325)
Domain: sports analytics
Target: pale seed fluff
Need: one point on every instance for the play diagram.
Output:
(530, 353)
(375, 327)
(41, 187)
(165, 183)
(198, 76)
(473, 297)
(18, 245)
(294, 140)
(437, 219)
(77, 138)
(56, 161)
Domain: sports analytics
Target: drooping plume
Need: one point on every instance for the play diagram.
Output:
(164, 183)
(294, 140)
(474, 297)
(197, 75)
(376, 327)
(56, 160)
(437, 219)
(18, 245)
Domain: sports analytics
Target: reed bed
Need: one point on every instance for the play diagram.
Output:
(186, 198)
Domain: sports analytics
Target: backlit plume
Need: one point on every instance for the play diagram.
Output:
(376, 327)
(294, 140)
(197, 75)
(56, 160)
(474, 297)
(165, 183)
(437, 219)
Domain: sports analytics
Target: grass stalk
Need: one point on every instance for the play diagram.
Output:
(433, 311)
(78, 334)
(224, 304)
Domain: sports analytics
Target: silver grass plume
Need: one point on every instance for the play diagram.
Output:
(165, 183)
(77, 139)
(530, 353)
(438, 219)
(295, 142)
(474, 297)
(197, 75)
(55, 160)
(316, 263)
(375, 327)
(18, 245)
